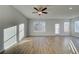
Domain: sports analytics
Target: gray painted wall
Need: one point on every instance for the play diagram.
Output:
(10, 17)
(50, 27)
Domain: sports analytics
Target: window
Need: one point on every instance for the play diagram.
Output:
(21, 31)
(76, 26)
(10, 36)
(66, 26)
(39, 26)
(56, 28)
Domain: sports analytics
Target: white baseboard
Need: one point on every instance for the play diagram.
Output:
(47, 35)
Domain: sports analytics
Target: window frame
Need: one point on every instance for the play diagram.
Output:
(14, 36)
(41, 25)
(75, 26)
(65, 24)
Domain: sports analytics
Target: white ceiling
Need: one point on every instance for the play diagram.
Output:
(54, 11)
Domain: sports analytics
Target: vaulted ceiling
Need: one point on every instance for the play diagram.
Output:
(54, 11)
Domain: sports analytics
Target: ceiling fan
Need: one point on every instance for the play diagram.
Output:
(40, 10)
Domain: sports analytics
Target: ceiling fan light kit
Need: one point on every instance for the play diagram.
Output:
(40, 10)
(39, 13)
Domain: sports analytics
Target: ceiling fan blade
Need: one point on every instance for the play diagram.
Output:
(34, 12)
(44, 9)
(40, 8)
(45, 12)
(36, 8)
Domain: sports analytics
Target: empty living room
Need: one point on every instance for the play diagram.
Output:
(39, 29)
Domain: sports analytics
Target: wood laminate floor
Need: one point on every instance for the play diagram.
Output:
(43, 45)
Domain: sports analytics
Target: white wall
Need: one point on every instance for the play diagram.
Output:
(73, 33)
(9, 17)
(50, 27)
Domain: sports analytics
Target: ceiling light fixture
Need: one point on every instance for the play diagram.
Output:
(40, 13)
(40, 10)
